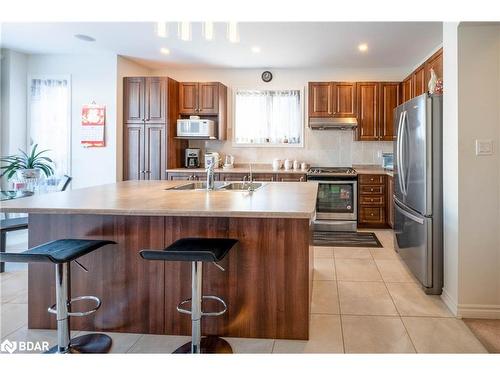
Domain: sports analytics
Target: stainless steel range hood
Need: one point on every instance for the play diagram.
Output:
(329, 123)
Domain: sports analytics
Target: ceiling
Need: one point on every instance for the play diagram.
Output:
(282, 44)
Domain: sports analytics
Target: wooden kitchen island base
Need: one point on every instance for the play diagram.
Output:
(267, 283)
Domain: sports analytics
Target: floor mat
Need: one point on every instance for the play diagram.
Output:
(346, 239)
(487, 331)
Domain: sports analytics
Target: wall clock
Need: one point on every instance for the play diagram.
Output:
(267, 76)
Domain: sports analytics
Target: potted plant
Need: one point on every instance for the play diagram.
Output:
(26, 166)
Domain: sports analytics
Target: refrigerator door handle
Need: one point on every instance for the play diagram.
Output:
(409, 215)
(403, 153)
(398, 149)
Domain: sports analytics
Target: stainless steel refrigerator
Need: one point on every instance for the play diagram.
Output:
(418, 189)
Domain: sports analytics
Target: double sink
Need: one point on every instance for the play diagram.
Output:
(221, 186)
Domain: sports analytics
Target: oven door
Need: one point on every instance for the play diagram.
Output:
(337, 200)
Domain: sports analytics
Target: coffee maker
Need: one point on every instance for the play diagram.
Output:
(192, 159)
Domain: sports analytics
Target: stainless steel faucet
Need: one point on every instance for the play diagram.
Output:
(250, 179)
(210, 166)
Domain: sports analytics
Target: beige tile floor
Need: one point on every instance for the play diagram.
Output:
(364, 301)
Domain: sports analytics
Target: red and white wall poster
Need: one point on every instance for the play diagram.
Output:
(93, 121)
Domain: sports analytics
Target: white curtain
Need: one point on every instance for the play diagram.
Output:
(268, 117)
(49, 125)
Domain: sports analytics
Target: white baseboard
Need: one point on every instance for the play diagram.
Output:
(479, 311)
(450, 302)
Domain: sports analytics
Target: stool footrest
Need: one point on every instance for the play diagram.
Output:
(52, 309)
(215, 313)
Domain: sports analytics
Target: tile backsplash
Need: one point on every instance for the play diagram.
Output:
(321, 148)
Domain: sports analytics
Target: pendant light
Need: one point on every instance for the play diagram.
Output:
(208, 30)
(233, 34)
(185, 31)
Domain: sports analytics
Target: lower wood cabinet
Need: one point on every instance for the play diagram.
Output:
(225, 176)
(372, 200)
(390, 201)
(291, 177)
(188, 176)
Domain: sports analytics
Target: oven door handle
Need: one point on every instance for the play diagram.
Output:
(344, 182)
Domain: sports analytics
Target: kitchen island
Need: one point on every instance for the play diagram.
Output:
(268, 279)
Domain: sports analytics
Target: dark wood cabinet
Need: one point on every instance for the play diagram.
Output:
(418, 78)
(291, 177)
(389, 100)
(390, 201)
(332, 99)
(320, 99)
(344, 99)
(144, 99)
(155, 151)
(368, 111)
(188, 97)
(188, 176)
(199, 98)
(156, 101)
(133, 161)
(434, 62)
(407, 89)
(134, 96)
(149, 122)
(372, 200)
(208, 98)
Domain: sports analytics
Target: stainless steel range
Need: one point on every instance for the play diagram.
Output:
(336, 205)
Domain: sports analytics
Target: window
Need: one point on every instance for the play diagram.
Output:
(49, 121)
(268, 118)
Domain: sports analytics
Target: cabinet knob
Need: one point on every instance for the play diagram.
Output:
(371, 214)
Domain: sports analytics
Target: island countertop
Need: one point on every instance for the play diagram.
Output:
(149, 198)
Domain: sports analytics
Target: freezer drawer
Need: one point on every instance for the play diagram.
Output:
(413, 241)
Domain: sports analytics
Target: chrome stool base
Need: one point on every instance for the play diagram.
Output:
(93, 343)
(208, 345)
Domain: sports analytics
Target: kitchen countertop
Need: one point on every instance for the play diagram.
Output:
(149, 198)
(372, 169)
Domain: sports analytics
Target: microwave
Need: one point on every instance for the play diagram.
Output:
(196, 129)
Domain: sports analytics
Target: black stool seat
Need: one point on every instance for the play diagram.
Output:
(193, 250)
(59, 251)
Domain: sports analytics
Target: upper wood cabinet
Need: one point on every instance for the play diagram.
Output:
(320, 99)
(389, 100)
(434, 62)
(407, 89)
(144, 99)
(418, 81)
(368, 110)
(199, 98)
(134, 96)
(332, 99)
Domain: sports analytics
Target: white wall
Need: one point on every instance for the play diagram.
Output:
(478, 176)
(321, 147)
(93, 78)
(12, 103)
(125, 68)
(450, 164)
(14, 72)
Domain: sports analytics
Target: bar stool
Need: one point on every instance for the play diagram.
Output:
(197, 251)
(61, 253)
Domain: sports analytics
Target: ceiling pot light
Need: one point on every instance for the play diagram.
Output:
(233, 34)
(85, 38)
(256, 49)
(161, 29)
(165, 51)
(185, 31)
(208, 30)
(363, 47)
